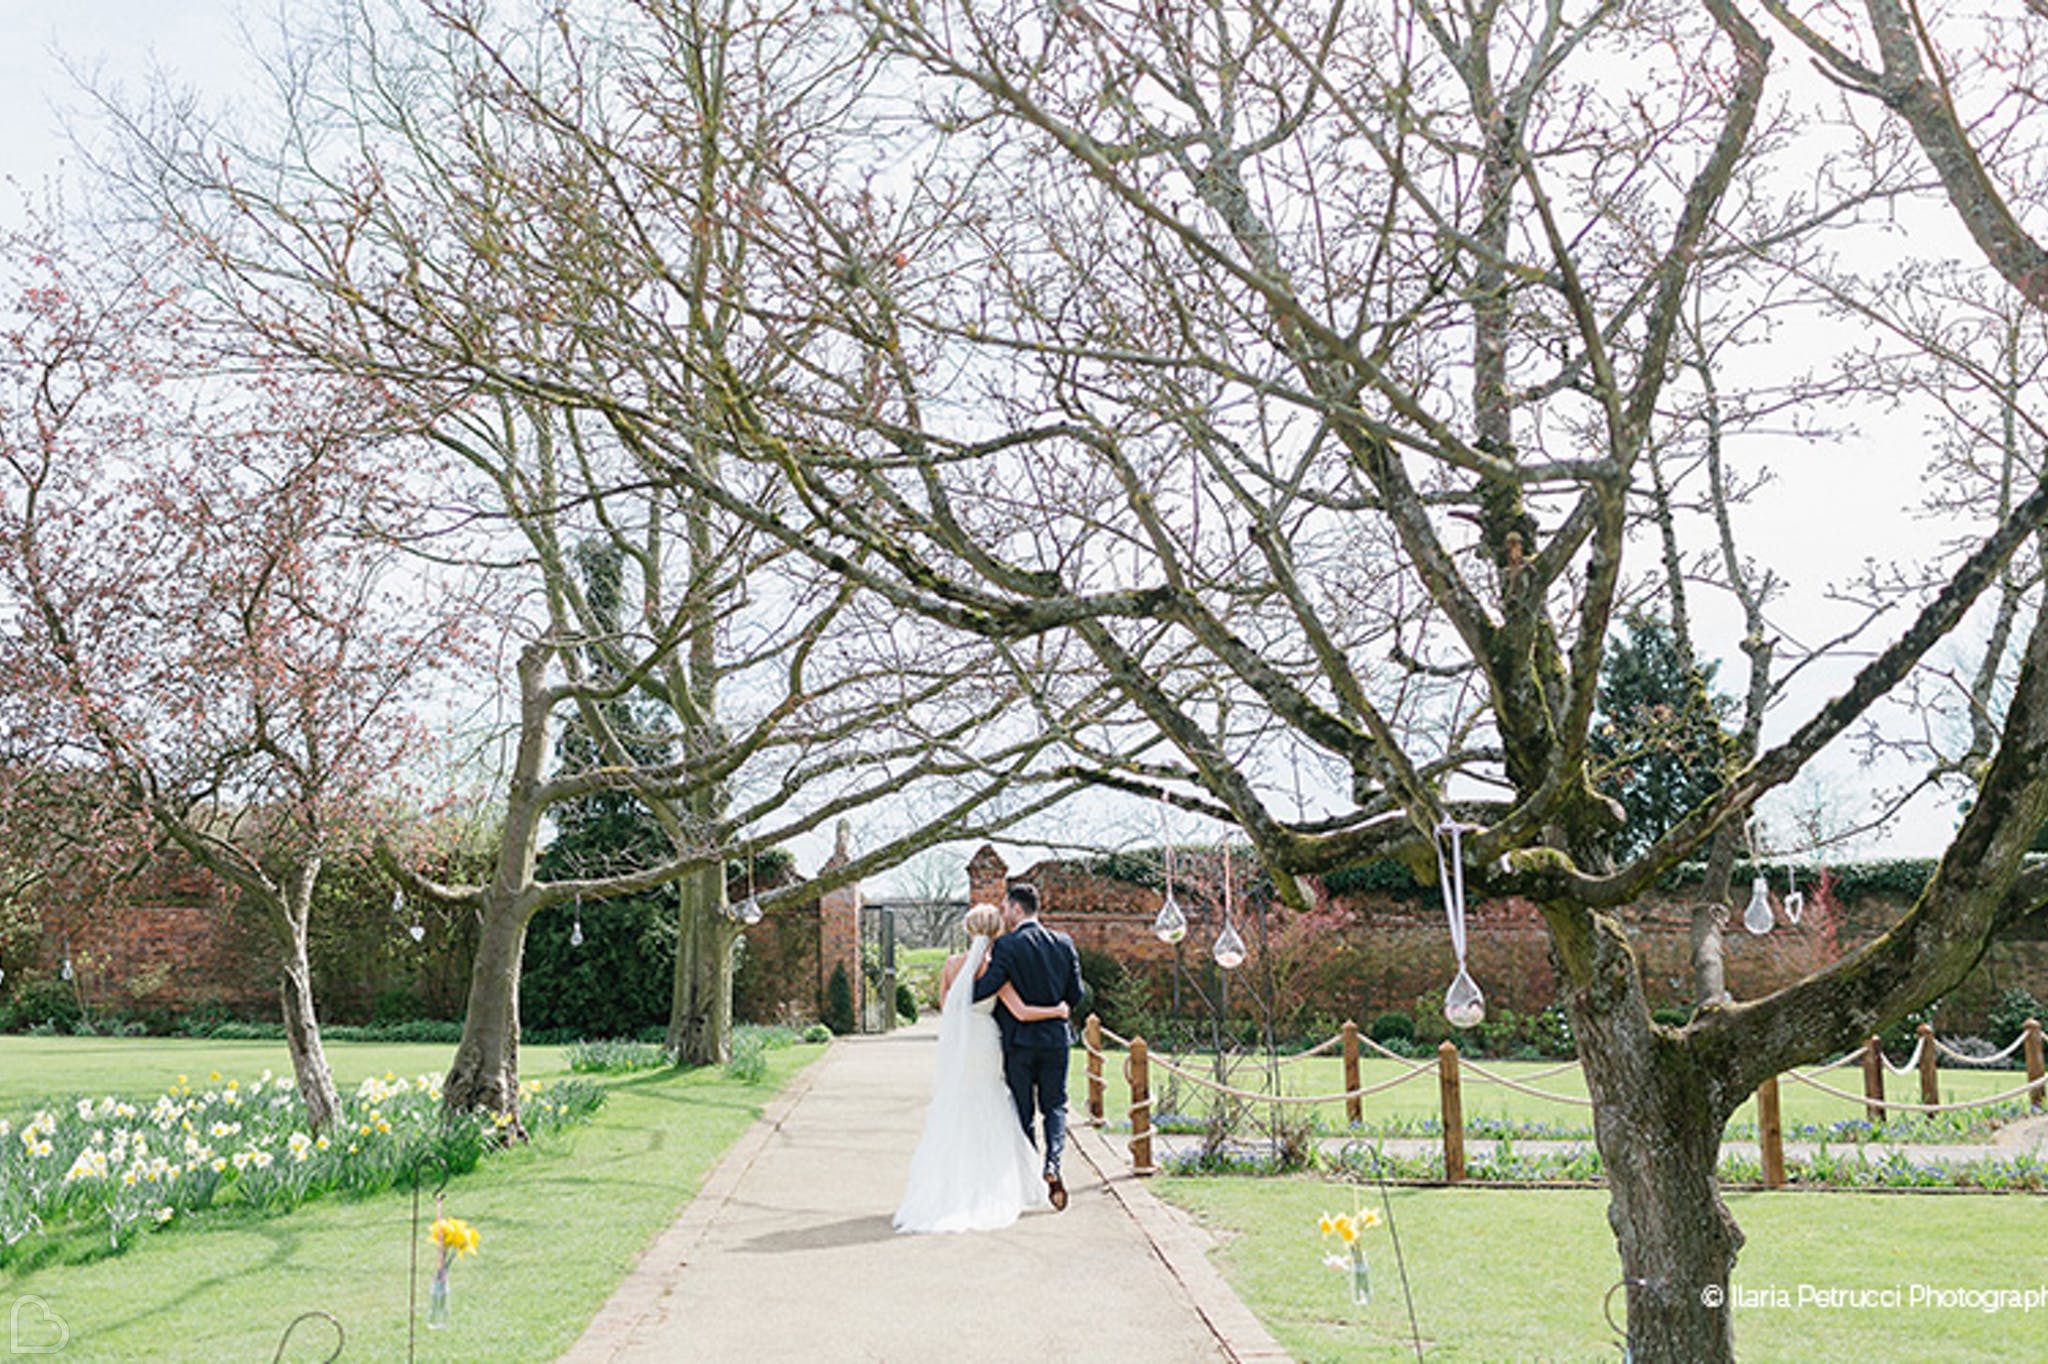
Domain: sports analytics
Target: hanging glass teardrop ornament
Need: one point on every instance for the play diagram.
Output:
(1758, 918)
(65, 972)
(576, 927)
(1464, 1005)
(749, 911)
(1171, 924)
(1229, 950)
(1795, 903)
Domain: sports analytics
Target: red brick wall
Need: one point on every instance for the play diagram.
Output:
(1392, 953)
(778, 979)
(987, 877)
(176, 946)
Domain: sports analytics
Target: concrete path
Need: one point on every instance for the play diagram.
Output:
(787, 1253)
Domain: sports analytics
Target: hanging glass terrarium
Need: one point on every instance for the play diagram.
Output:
(1170, 925)
(748, 911)
(1229, 949)
(1464, 1004)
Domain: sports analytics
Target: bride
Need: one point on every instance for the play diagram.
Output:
(974, 1170)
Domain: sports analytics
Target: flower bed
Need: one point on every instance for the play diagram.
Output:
(127, 1166)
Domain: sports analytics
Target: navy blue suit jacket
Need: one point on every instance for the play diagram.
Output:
(1045, 969)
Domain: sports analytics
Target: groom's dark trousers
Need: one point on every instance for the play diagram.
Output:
(1045, 969)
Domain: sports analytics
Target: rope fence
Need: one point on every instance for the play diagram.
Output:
(1451, 1069)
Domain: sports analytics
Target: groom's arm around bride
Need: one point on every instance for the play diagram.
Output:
(1045, 969)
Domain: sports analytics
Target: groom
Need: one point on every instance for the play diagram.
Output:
(1045, 969)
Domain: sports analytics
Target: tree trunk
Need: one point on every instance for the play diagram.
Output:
(1657, 1119)
(485, 1072)
(302, 1037)
(700, 1014)
(289, 901)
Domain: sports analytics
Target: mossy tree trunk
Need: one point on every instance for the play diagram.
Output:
(700, 1018)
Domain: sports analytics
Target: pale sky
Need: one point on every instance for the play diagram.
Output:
(1831, 506)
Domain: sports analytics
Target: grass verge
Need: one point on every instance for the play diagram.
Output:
(1516, 1277)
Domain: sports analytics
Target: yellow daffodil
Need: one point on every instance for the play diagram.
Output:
(1368, 1218)
(454, 1235)
(1346, 1229)
(1326, 1224)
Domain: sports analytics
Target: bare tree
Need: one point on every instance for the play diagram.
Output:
(434, 256)
(1306, 378)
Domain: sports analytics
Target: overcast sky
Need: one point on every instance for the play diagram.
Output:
(1832, 505)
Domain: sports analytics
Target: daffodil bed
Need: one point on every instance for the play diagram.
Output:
(559, 1220)
(117, 1166)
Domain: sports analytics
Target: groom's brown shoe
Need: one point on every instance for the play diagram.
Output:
(1055, 1191)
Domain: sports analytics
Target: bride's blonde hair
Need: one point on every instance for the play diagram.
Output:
(983, 921)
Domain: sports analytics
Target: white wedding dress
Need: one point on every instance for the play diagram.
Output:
(974, 1169)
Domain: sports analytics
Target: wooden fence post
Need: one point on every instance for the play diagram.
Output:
(1354, 1107)
(1141, 1111)
(1930, 1086)
(1091, 1033)
(1770, 1133)
(2038, 1095)
(1873, 1081)
(1453, 1113)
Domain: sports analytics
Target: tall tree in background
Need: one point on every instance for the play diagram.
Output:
(1657, 744)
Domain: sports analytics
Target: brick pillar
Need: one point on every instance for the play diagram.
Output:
(988, 878)
(839, 927)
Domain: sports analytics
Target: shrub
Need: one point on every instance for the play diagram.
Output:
(1392, 1026)
(748, 1062)
(42, 1002)
(817, 1032)
(1105, 980)
(2008, 1018)
(1551, 1032)
(616, 1056)
(906, 1002)
(839, 1001)
(1901, 1037)
(773, 1035)
(1671, 1018)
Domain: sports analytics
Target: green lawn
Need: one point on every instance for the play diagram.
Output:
(560, 1220)
(1396, 1110)
(37, 1069)
(1506, 1276)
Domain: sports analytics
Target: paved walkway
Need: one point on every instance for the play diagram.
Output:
(787, 1253)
